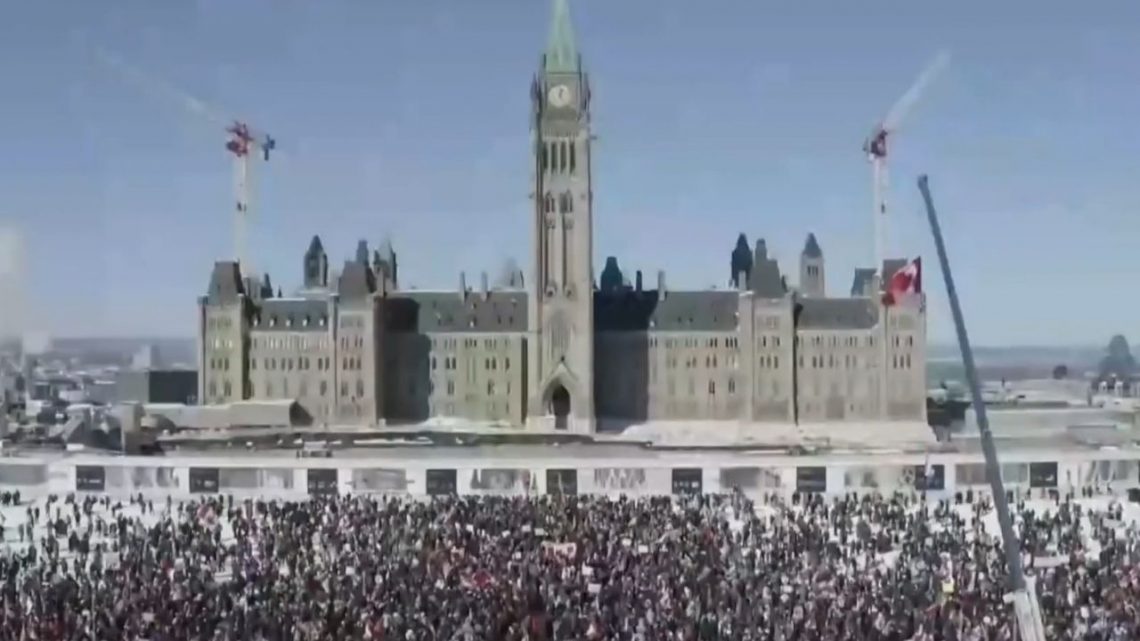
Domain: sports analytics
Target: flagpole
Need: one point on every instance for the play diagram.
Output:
(1021, 592)
(884, 380)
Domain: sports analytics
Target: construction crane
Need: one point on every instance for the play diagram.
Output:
(877, 144)
(245, 143)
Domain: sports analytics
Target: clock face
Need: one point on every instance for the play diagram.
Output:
(560, 95)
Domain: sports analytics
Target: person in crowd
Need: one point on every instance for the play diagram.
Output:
(702, 568)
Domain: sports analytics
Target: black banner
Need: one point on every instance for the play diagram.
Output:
(1043, 474)
(687, 480)
(811, 479)
(90, 478)
(321, 480)
(441, 482)
(562, 482)
(204, 480)
(935, 480)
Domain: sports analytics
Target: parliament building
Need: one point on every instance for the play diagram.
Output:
(561, 349)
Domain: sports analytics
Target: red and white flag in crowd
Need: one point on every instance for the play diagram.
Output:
(478, 580)
(206, 515)
(904, 282)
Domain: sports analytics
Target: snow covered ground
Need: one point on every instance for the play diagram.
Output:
(11, 517)
(884, 434)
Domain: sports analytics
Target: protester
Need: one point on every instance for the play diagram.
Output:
(550, 567)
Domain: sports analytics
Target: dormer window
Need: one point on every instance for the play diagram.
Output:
(288, 321)
(324, 319)
(305, 322)
(273, 321)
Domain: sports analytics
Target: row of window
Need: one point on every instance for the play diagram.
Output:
(693, 342)
(848, 361)
(711, 362)
(296, 343)
(492, 387)
(901, 361)
(219, 322)
(289, 321)
(491, 363)
(560, 156)
(565, 205)
(303, 388)
(347, 342)
(226, 387)
(301, 363)
(356, 321)
(691, 386)
(848, 341)
(449, 344)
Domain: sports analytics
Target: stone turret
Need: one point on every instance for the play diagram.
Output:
(741, 263)
(812, 281)
(316, 268)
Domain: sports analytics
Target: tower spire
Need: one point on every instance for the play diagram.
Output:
(561, 52)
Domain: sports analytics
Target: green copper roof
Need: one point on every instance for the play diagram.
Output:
(561, 53)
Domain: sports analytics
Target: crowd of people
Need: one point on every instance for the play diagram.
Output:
(557, 567)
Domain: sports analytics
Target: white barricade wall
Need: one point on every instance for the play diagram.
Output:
(937, 474)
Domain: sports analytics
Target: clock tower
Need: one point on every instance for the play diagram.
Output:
(560, 350)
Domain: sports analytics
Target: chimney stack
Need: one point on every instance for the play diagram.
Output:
(483, 285)
(661, 284)
(637, 281)
(462, 286)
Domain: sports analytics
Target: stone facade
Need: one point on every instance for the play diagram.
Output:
(566, 351)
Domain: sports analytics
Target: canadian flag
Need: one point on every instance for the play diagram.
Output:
(904, 282)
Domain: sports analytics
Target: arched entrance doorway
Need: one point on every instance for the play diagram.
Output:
(560, 407)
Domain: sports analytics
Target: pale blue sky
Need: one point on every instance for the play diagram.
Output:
(409, 118)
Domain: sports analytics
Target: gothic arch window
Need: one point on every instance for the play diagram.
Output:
(562, 155)
(559, 336)
(545, 159)
(554, 157)
(548, 203)
(573, 156)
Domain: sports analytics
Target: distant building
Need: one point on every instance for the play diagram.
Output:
(157, 386)
(567, 351)
(147, 357)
